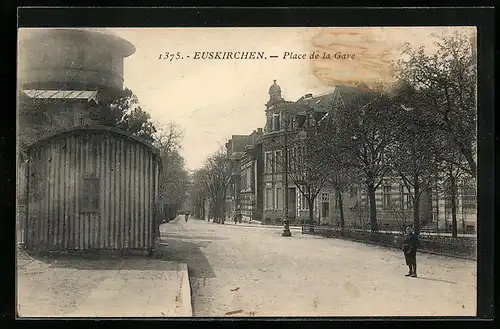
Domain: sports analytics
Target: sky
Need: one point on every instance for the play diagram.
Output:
(213, 99)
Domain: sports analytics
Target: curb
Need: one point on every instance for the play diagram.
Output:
(262, 226)
(186, 309)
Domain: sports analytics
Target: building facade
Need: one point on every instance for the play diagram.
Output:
(261, 172)
(251, 182)
(236, 149)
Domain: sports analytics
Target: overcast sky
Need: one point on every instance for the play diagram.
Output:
(214, 99)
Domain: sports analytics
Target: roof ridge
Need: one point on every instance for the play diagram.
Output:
(114, 130)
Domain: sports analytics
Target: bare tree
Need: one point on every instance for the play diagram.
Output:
(174, 179)
(367, 130)
(446, 82)
(168, 137)
(410, 154)
(198, 194)
(340, 173)
(452, 168)
(307, 168)
(216, 177)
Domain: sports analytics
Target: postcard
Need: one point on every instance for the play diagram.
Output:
(247, 172)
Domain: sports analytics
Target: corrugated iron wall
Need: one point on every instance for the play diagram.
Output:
(127, 173)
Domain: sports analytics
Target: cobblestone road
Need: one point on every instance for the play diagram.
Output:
(238, 270)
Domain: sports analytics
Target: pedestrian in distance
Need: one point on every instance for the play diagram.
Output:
(187, 216)
(410, 245)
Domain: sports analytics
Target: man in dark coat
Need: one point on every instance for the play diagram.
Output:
(410, 245)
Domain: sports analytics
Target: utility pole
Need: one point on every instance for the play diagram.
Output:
(286, 229)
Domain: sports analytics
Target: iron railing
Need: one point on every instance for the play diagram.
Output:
(463, 246)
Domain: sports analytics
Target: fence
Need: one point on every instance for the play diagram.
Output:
(462, 246)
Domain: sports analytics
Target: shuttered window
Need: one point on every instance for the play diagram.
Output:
(91, 195)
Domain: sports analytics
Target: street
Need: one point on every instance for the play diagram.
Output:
(250, 270)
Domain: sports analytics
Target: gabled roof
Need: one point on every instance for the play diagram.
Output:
(321, 103)
(349, 96)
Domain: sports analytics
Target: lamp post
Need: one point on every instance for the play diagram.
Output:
(286, 229)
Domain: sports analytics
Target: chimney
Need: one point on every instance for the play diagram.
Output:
(259, 130)
(308, 96)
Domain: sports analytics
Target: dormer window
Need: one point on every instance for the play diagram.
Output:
(301, 119)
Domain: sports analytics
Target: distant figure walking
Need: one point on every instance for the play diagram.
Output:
(409, 247)
(186, 216)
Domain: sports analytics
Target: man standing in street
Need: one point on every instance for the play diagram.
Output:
(410, 245)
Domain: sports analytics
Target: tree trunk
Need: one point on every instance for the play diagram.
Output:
(416, 206)
(222, 210)
(310, 201)
(453, 188)
(216, 211)
(341, 208)
(373, 208)
(437, 206)
(469, 158)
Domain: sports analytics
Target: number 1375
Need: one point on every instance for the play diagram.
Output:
(170, 56)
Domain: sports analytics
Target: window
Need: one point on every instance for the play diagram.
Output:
(276, 122)
(304, 203)
(279, 198)
(447, 205)
(353, 191)
(278, 161)
(269, 162)
(269, 124)
(249, 178)
(387, 196)
(91, 195)
(291, 158)
(468, 196)
(269, 198)
(243, 180)
(405, 198)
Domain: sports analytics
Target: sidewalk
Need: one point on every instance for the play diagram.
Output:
(132, 287)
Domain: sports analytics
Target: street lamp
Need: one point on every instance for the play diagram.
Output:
(286, 229)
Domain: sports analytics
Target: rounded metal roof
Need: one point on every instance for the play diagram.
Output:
(90, 130)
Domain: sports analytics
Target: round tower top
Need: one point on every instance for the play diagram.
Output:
(274, 89)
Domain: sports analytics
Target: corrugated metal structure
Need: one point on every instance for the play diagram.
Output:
(92, 188)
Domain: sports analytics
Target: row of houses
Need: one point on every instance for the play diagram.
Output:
(256, 190)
